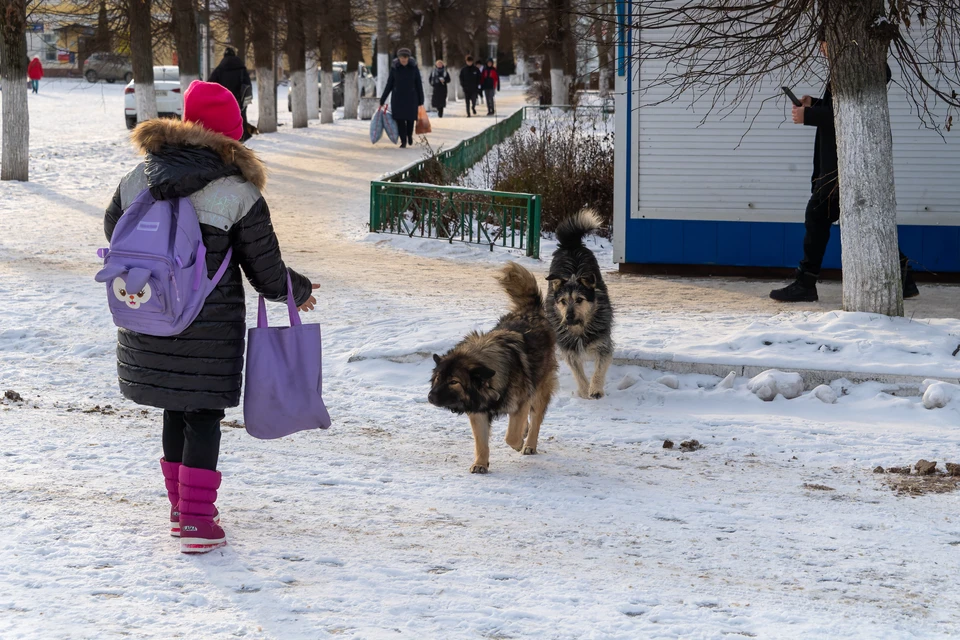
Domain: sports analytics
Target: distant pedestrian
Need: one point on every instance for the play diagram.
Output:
(34, 73)
(406, 85)
(439, 79)
(232, 73)
(470, 83)
(490, 81)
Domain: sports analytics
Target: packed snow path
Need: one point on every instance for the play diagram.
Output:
(374, 529)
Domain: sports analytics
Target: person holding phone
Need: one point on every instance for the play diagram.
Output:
(823, 209)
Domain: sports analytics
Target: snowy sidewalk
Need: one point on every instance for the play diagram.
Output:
(776, 528)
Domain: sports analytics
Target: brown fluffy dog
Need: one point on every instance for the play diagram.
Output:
(510, 370)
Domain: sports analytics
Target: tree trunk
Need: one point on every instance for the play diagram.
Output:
(556, 46)
(297, 60)
(326, 77)
(262, 36)
(15, 162)
(559, 93)
(237, 17)
(383, 47)
(312, 83)
(141, 54)
(185, 30)
(103, 37)
(604, 46)
(354, 50)
(868, 199)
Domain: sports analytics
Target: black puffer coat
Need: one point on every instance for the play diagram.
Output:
(439, 80)
(202, 367)
(232, 74)
(406, 84)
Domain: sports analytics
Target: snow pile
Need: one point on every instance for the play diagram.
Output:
(833, 341)
(769, 384)
(937, 395)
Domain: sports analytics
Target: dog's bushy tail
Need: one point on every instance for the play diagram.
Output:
(522, 288)
(570, 232)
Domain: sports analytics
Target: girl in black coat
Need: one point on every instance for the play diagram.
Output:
(196, 374)
(406, 85)
(439, 79)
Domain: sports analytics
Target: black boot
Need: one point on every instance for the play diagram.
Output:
(803, 289)
(910, 289)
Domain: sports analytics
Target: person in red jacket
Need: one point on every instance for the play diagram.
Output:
(34, 73)
(490, 83)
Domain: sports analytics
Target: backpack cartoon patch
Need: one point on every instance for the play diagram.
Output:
(155, 270)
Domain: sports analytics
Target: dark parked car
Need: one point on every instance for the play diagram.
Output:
(339, 73)
(107, 66)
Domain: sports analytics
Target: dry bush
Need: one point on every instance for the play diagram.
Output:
(566, 159)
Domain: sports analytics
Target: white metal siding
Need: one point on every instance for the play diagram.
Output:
(755, 165)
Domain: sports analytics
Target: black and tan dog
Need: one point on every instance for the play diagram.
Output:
(509, 370)
(578, 306)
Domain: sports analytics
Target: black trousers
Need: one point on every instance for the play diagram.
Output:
(406, 130)
(192, 437)
(471, 100)
(820, 216)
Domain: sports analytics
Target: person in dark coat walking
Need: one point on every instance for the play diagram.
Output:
(232, 73)
(490, 81)
(406, 85)
(439, 80)
(197, 374)
(823, 209)
(470, 83)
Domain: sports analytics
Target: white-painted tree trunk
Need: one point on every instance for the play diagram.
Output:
(266, 101)
(146, 98)
(383, 72)
(558, 87)
(326, 97)
(351, 95)
(186, 80)
(298, 99)
(454, 88)
(868, 202)
(604, 81)
(16, 128)
(312, 86)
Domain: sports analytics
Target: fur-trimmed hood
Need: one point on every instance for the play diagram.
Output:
(152, 136)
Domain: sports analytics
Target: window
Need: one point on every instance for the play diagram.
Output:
(49, 47)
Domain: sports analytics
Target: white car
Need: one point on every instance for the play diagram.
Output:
(166, 81)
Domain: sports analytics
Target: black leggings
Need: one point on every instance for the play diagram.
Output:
(192, 437)
(406, 130)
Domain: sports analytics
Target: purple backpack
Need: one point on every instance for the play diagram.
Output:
(156, 267)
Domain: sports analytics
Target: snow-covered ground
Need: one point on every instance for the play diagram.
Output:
(776, 528)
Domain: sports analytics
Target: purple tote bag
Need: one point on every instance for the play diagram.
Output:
(284, 378)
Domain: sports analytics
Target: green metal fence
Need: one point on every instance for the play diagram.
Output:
(400, 203)
(478, 216)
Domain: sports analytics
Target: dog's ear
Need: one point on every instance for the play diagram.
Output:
(588, 280)
(556, 282)
(437, 358)
(482, 373)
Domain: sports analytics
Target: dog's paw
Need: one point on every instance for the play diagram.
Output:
(596, 395)
(529, 451)
(479, 468)
(516, 447)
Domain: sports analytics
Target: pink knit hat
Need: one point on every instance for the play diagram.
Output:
(213, 107)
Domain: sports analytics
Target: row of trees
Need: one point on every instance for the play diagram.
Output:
(311, 34)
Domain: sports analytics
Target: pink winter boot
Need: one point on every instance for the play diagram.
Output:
(171, 477)
(199, 533)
